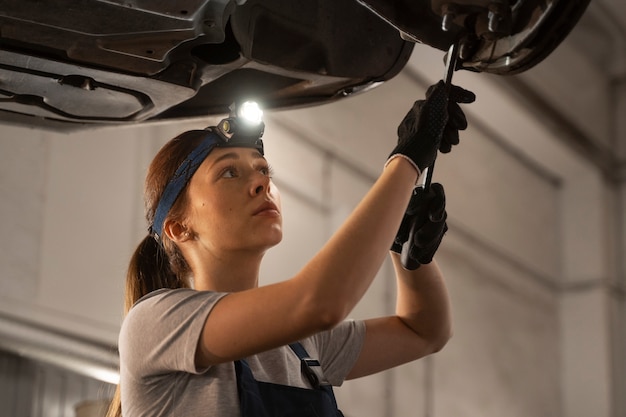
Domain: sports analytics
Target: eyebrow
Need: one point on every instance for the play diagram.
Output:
(234, 155)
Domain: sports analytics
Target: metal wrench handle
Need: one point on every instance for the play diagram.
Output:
(405, 259)
(451, 59)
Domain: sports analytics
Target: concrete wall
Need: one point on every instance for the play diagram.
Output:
(532, 247)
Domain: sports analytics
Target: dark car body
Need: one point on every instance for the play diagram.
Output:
(73, 63)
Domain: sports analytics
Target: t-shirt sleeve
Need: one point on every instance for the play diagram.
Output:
(160, 333)
(339, 348)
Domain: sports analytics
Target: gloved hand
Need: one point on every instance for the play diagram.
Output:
(432, 124)
(422, 227)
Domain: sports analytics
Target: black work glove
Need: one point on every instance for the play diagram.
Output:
(432, 124)
(422, 227)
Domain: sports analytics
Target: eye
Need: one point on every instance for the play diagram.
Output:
(267, 171)
(228, 172)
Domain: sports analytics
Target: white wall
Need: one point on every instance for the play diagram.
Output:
(526, 257)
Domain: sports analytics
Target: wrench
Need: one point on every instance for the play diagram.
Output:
(420, 217)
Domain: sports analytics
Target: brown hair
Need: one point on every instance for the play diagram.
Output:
(158, 263)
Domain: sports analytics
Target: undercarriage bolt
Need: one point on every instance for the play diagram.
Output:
(448, 12)
(498, 18)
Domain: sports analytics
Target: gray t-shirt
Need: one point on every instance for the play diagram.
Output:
(157, 344)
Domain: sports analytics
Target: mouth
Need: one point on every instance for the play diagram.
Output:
(267, 208)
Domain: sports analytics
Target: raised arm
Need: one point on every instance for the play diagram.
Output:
(324, 291)
(328, 287)
(422, 323)
(421, 326)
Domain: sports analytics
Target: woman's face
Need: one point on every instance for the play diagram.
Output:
(233, 204)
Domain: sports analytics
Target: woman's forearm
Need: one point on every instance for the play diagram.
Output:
(338, 276)
(423, 303)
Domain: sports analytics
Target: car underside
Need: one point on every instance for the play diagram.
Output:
(76, 63)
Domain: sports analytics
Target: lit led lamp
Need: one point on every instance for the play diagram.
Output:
(243, 128)
(245, 120)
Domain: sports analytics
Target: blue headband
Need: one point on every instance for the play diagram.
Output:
(214, 138)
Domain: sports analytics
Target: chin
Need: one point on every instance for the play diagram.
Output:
(268, 241)
(275, 240)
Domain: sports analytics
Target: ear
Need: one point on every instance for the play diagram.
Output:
(177, 232)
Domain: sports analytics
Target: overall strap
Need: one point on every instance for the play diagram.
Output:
(299, 350)
(264, 399)
(250, 400)
(309, 366)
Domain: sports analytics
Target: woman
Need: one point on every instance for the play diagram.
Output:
(201, 337)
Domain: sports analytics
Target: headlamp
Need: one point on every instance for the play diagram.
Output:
(243, 128)
(250, 112)
(245, 121)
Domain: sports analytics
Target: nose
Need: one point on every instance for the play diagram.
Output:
(260, 183)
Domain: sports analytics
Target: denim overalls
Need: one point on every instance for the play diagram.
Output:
(264, 399)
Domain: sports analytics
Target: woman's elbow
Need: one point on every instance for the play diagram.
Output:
(440, 339)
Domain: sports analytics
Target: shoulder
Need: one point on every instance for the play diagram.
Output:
(173, 302)
(167, 295)
(161, 330)
(337, 349)
(169, 305)
(349, 333)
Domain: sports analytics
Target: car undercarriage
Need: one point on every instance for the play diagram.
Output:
(74, 63)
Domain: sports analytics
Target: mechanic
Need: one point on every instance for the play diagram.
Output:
(201, 337)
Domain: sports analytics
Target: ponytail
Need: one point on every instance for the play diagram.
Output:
(159, 263)
(150, 269)
(115, 408)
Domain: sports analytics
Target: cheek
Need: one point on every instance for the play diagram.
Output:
(213, 220)
(217, 211)
(206, 210)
